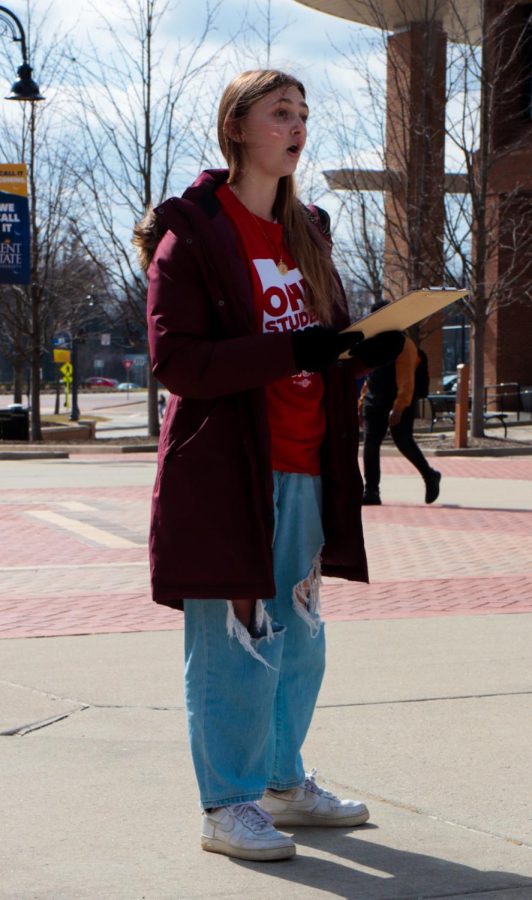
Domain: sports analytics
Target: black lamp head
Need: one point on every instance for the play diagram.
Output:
(25, 88)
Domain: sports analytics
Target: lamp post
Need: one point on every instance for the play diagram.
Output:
(74, 408)
(24, 88)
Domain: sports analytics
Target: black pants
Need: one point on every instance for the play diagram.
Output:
(375, 428)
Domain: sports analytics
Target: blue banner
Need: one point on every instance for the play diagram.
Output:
(15, 265)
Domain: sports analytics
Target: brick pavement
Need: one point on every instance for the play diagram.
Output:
(424, 561)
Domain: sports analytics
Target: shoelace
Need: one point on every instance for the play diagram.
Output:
(310, 785)
(253, 816)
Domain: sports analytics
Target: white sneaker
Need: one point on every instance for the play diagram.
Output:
(310, 804)
(245, 831)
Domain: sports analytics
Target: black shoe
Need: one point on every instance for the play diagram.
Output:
(432, 486)
(371, 498)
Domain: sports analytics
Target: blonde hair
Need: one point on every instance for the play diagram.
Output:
(306, 245)
(146, 235)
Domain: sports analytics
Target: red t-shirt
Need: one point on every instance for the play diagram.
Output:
(296, 413)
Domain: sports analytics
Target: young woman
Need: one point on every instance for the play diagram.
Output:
(257, 483)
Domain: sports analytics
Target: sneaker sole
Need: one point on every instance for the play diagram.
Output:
(268, 854)
(284, 819)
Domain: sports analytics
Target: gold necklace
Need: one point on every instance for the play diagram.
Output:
(282, 267)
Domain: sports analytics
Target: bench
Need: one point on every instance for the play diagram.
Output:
(509, 395)
(442, 408)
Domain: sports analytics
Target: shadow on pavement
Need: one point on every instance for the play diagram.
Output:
(384, 872)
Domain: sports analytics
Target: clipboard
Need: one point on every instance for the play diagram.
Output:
(413, 307)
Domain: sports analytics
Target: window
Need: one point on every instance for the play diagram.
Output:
(456, 333)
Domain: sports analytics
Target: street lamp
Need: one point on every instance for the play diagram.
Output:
(74, 407)
(24, 88)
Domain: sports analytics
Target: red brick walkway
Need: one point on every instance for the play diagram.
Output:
(424, 561)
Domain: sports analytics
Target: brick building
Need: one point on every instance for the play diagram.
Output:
(415, 181)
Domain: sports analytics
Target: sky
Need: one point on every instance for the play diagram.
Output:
(308, 43)
(306, 40)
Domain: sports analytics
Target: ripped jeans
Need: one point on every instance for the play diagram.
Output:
(249, 707)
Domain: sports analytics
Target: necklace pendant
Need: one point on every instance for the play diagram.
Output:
(282, 267)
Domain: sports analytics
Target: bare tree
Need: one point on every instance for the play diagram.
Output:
(68, 281)
(38, 135)
(483, 241)
(385, 161)
(260, 36)
(358, 185)
(389, 138)
(146, 117)
(492, 221)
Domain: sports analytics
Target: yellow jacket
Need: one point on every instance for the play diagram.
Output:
(405, 372)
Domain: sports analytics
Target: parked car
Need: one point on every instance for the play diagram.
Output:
(128, 386)
(100, 381)
(449, 383)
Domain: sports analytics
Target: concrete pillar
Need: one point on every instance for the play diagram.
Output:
(415, 136)
(415, 133)
(509, 45)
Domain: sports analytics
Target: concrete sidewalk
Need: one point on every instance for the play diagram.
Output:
(427, 720)
(424, 713)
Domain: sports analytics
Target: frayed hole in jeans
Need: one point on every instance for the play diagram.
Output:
(261, 624)
(306, 597)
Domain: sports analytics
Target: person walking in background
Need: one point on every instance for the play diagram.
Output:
(258, 483)
(388, 399)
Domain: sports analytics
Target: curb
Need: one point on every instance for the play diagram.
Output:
(526, 450)
(480, 451)
(65, 450)
(33, 454)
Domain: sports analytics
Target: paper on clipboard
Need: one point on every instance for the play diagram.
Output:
(411, 308)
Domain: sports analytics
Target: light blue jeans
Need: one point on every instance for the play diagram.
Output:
(250, 697)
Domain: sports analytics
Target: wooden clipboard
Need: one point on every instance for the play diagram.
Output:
(412, 308)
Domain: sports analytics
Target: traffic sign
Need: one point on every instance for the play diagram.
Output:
(67, 369)
(127, 363)
(62, 339)
(61, 356)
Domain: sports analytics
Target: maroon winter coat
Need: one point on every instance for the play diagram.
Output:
(212, 510)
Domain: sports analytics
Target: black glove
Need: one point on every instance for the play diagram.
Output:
(379, 350)
(317, 347)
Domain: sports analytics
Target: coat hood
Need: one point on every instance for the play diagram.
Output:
(199, 197)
